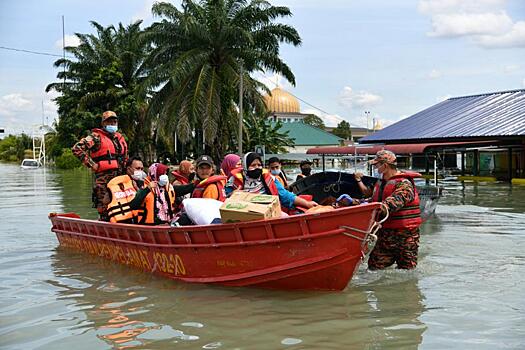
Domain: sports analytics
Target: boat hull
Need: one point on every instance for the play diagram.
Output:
(307, 252)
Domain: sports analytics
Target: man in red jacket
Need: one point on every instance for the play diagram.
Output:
(106, 152)
(398, 239)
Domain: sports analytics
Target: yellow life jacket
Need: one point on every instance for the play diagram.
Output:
(122, 192)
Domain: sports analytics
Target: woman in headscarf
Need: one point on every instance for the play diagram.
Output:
(156, 201)
(182, 175)
(253, 178)
(230, 162)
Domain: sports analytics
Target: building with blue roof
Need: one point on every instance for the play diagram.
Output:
(491, 126)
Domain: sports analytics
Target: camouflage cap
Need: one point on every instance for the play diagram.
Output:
(384, 157)
(109, 114)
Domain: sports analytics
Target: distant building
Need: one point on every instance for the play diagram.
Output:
(486, 132)
(284, 107)
(307, 136)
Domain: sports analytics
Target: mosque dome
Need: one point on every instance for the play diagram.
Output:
(281, 101)
(378, 125)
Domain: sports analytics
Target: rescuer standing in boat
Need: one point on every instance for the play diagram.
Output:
(104, 151)
(398, 239)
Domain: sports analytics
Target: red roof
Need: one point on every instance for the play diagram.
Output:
(409, 148)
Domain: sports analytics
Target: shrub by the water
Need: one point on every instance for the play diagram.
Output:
(67, 160)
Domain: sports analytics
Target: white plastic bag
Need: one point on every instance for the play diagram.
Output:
(202, 211)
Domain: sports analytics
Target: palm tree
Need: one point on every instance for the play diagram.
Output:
(106, 73)
(261, 131)
(196, 62)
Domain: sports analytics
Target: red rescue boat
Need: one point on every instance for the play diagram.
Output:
(317, 251)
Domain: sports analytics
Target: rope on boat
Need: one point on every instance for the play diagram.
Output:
(370, 239)
(333, 186)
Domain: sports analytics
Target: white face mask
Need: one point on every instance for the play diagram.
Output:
(163, 180)
(139, 175)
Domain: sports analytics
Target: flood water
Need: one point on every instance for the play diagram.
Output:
(467, 292)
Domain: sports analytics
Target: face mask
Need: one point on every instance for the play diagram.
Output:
(163, 180)
(255, 173)
(275, 171)
(139, 175)
(306, 171)
(111, 128)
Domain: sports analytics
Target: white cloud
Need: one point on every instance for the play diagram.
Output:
(12, 104)
(513, 38)
(434, 74)
(328, 119)
(361, 99)
(433, 7)
(484, 22)
(523, 82)
(273, 80)
(465, 24)
(71, 40)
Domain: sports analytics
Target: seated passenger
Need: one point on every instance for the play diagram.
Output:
(274, 166)
(252, 178)
(208, 185)
(122, 190)
(229, 163)
(156, 201)
(183, 174)
(306, 170)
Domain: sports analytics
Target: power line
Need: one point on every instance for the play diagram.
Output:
(32, 52)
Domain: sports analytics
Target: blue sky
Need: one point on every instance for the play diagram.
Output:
(392, 58)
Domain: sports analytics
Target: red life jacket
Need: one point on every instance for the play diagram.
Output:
(268, 181)
(111, 153)
(217, 180)
(181, 178)
(410, 215)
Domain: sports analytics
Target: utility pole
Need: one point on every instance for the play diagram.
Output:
(64, 50)
(367, 114)
(241, 95)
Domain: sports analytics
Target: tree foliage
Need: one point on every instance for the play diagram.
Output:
(343, 130)
(261, 131)
(181, 75)
(106, 73)
(195, 65)
(314, 120)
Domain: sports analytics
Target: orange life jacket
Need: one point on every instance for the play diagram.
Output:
(217, 180)
(269, 182)
(111, 153)
(122, 192)
(181, 178)
(282, 179)
(410, 215)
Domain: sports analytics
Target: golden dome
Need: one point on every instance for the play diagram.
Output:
(281, 101)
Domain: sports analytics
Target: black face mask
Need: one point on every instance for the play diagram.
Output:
(306, 171)
(255, 173)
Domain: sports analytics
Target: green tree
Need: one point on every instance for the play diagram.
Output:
(314, 120)
(196, 63)
(261, 131)
(105, 73)
(12, 147)
(343, 130)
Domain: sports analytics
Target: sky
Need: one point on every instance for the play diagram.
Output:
(358, 61)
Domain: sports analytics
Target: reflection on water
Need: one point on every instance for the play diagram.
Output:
(466, 292)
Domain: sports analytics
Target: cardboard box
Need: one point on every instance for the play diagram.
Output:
(244, 206)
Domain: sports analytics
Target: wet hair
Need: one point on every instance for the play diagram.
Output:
(273, 160)
(132, 159)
